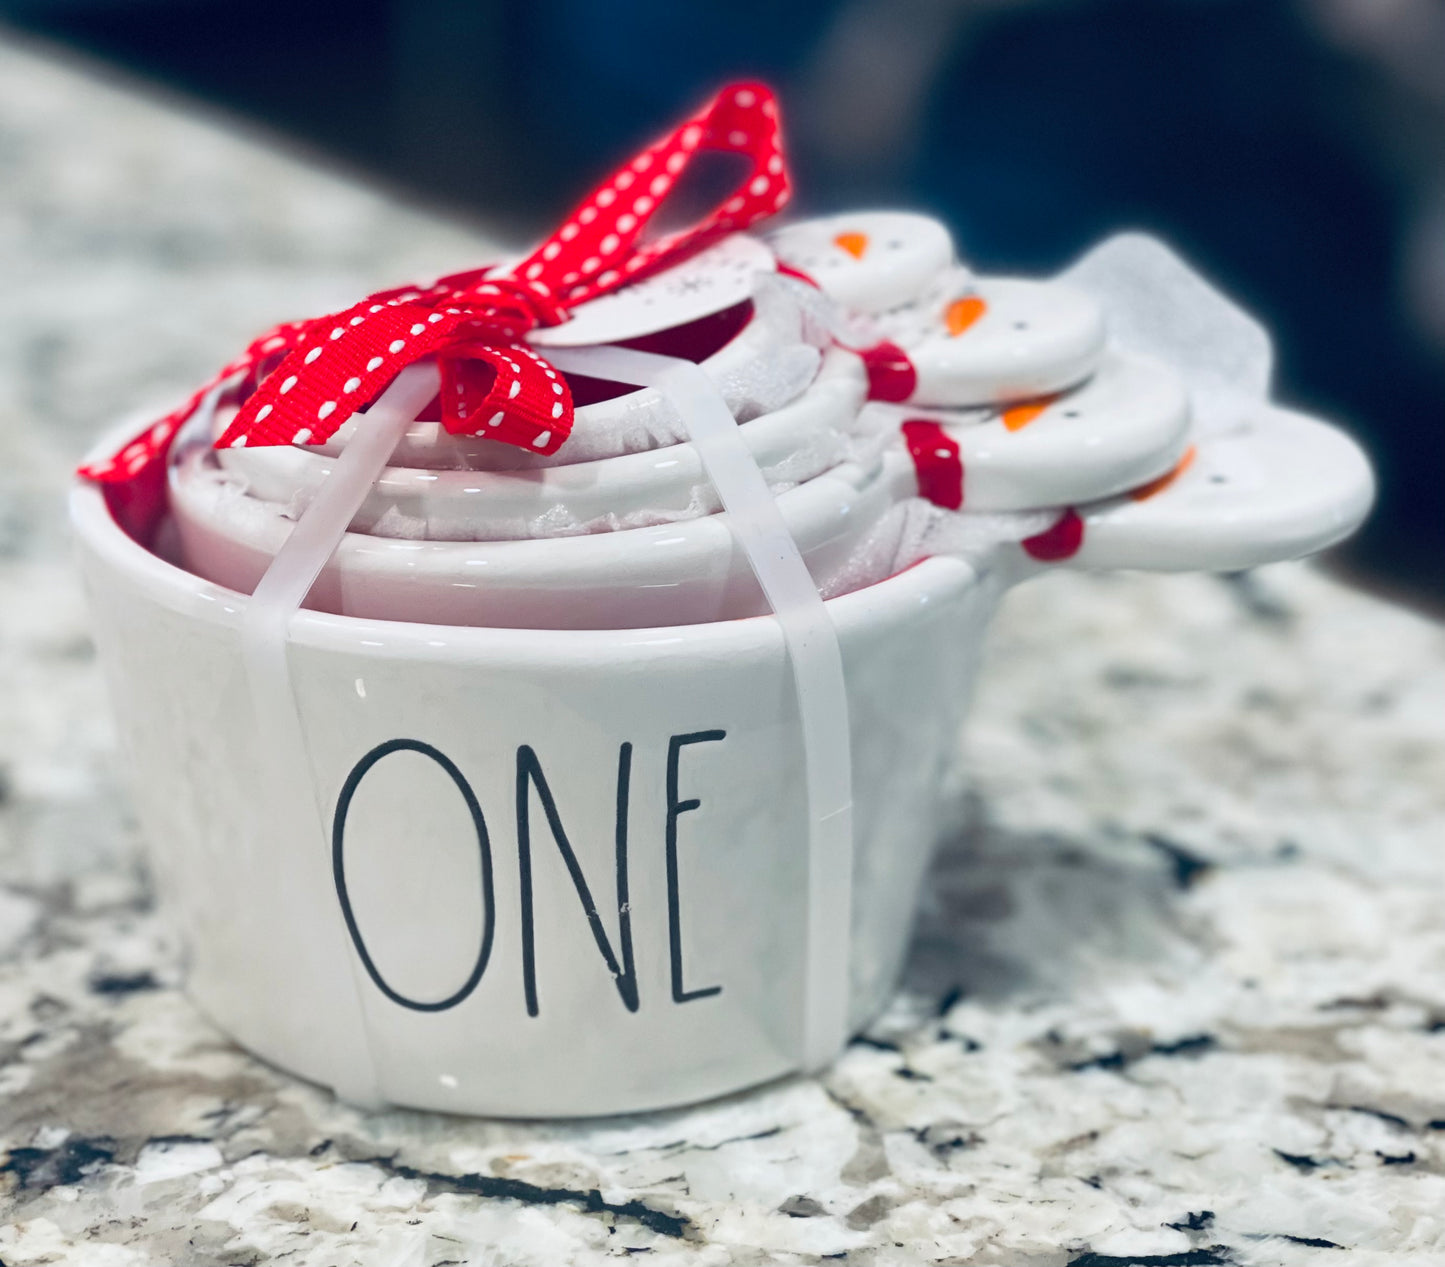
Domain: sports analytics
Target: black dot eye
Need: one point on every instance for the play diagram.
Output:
(1071, 413)
(896, 245)
(1021, 325)
(1218, 479)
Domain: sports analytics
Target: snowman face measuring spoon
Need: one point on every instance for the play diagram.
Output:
(1277, 485)
(1127, 424)
(982, 340)
(969, 340)
(868, 262)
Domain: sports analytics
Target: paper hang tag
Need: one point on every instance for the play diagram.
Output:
(708, 282)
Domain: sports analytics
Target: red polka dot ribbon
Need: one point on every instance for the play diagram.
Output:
(301, 381)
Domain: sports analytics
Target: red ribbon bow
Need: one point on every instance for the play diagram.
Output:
(304, 380)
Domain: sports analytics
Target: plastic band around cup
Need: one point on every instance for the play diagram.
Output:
(817, 663)
(295, 816)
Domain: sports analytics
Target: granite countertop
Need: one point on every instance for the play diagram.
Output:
(1177, 995)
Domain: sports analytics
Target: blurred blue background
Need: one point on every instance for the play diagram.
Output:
(1293, 149)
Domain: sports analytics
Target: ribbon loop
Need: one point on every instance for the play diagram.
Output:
(506, 393)
(597, 249)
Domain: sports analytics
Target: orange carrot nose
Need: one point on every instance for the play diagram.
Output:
(1018, 417)
(854, 243)
(962, 313)
(1145, 491)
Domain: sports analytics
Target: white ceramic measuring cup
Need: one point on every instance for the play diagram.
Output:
(404, 950)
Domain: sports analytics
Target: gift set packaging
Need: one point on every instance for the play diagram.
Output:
(542, 687)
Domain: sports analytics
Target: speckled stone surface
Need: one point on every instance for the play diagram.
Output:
(1177, 994)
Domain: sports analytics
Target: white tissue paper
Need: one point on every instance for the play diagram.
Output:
(1156, 304)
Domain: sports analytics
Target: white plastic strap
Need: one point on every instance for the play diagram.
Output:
(817, 662)
(292, 806)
